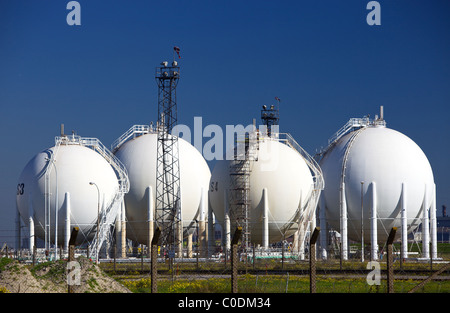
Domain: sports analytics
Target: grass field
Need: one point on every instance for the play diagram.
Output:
(281, 284)
(273, 276)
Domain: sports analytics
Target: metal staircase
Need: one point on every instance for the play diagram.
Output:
(133, 132)
(111, 209)
(305, 216)
(351, 125)
(352, 128)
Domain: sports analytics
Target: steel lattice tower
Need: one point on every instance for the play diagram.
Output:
(168, 205)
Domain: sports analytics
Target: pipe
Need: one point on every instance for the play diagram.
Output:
(362, 221)
(300, 234)
(374, 224)
(123, 241)
(67, 222)
(404, 218)
(425, 226)
(179, 229)
(118, 226)
(150, 218)
(56, 212)
(433, 225)
(344, 234)
(201, 224)
(265, 220)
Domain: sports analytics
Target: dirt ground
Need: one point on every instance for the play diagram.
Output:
(52, 278)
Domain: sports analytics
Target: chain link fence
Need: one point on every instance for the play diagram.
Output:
(275, 270)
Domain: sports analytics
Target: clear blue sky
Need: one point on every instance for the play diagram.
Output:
(321, 58)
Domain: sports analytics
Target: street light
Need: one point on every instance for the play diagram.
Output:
(53, 161)
(98, 212)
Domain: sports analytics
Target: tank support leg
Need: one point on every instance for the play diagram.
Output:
(18, 226)
(226, 222)
(211, 232)
(67, 228)
(31, 222)
(323, 227)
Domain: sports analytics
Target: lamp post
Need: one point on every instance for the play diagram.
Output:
(56, 209)
(98, 213)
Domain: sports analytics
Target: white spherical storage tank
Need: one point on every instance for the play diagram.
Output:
(139, 156)
(376, 179)
(58, 180)
(281, 186)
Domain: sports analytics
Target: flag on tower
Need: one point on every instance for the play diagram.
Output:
(177, 50)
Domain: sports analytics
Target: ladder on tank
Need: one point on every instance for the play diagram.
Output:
(239, 199)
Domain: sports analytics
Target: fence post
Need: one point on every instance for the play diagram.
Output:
(390, 261)
(234, 259)
(312, 260)
(154, 260)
